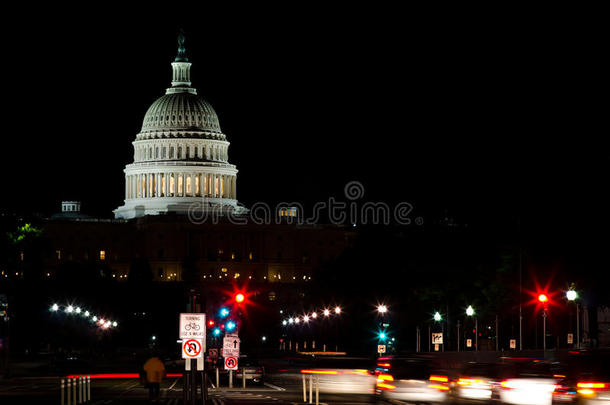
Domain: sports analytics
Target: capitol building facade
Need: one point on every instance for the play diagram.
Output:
(181, 157)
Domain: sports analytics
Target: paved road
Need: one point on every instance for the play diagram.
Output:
(45, 390)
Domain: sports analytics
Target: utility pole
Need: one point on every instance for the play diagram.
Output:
(520, 309)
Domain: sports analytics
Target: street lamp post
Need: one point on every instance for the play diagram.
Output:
(439, 318)
(470, 312)
(572, 295)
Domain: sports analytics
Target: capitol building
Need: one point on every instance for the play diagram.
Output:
(181, 157)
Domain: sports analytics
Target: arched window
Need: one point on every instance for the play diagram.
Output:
(171, 152)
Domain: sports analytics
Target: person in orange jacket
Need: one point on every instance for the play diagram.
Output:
(155, 371)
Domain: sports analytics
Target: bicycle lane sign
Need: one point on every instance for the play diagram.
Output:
(192, 326)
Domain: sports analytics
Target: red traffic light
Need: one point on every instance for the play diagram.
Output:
(543, 298)
(211, 322)
(239, 298)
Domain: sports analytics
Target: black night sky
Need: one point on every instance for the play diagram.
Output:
(489, 123)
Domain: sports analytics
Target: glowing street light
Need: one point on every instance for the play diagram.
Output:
(296, 320)
(87, 314)
(437, 316)
(284, 322)
(70, 309)
(306, 318)
(314, 315)
(337, 310)
(326, 312)
(470, 312)
(382, 309)
(54, 307)
(239, 298)
(543, 298)
(571, 295)
(291, 320)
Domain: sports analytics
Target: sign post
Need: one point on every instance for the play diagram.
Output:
(192, 333)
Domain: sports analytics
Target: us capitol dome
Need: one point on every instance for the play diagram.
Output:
(181, 157)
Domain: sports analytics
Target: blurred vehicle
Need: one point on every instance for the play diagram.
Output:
(586, 378)
(411, 380)
(345, 375)
(253, 371)
(477, 382)
(527, 382)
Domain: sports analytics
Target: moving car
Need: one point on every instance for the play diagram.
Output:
(526, 381)
(477, 382)
(586, 379)
(411, 380)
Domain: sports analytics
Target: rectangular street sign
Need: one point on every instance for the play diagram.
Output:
(468, 342)
(192, 326)
(513, 343)
(437, 338)
(230, 346)
(570, 338)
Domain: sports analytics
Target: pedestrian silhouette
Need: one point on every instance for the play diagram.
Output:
(155, 371)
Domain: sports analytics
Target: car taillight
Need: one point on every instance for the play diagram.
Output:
(440, 379)
(473, 382)
(382, 382)
(507, 384)
(590, 388)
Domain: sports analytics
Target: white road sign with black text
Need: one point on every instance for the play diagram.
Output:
(192, 326)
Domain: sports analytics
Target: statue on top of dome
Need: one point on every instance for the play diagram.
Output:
(181, 57)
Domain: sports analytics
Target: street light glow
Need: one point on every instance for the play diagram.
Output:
(571, 295)
(296, 320)
(382, 309)
(314, 315)
(284, 322)
(87, 314)
(239, 298)
(54, 307)
(70, 309)
(78, 310)
(543, 298)
(290, 320)
(437, 316)
(337, 310)
(470, 310)
(306, 318)
(326, 312)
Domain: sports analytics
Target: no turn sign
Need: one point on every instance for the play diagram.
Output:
(192, 349)
(231, 363)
